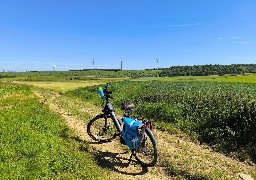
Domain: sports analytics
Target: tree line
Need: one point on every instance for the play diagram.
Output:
(205, 70)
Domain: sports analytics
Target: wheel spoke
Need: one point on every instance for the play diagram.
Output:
(101, 130)
(147, 153)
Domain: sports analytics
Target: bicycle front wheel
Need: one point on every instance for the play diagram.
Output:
(101, 129)
(146, 154)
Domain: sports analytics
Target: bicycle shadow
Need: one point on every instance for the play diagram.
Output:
(84, 141)
(118, 163)
(114, 161)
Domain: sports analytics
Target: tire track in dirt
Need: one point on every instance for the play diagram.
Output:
(190, 159)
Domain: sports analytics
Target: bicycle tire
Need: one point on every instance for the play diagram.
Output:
(146, 155)
(97, 130)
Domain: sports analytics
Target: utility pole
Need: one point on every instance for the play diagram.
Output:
(93, 62)
(121, 65)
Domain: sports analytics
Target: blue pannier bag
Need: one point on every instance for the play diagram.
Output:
(133, 132)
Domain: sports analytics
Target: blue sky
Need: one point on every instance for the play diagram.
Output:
(37, 35)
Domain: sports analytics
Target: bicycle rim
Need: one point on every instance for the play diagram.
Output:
(146, 155)
(100, 130)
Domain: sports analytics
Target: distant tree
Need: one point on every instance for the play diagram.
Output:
(203, 70)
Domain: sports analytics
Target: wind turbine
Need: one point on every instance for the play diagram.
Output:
(157, 59)
(53, 66)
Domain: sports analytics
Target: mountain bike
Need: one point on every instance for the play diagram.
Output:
(133, 132)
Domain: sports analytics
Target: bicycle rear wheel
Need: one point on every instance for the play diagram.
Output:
(146, 154)
(101, 129)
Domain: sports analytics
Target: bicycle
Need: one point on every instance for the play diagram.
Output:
(133, 132)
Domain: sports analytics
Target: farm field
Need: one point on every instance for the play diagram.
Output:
(180, 108)
(134, 75)
(250, 78)
(221, 114)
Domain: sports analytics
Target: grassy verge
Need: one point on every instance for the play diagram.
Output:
(35, 143)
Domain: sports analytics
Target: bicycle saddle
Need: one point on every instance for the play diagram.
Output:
(127, 106)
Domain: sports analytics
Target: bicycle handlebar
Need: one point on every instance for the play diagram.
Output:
(107, 85)
(107, 92)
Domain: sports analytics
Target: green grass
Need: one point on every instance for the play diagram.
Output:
(35, 143)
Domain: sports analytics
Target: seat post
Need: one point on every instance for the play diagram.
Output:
(127, 113)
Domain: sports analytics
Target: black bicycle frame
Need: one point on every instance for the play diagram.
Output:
(109, 110)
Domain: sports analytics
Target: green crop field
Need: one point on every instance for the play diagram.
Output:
(250, 78)
(221, 114)
(35, 143)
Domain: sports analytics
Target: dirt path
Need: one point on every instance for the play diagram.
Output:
(111, 155)
(178, 158)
